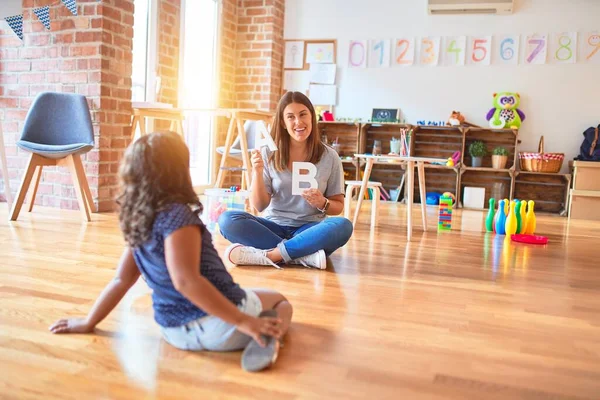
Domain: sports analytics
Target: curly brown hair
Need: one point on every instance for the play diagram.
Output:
(316, 148)
(154, 174)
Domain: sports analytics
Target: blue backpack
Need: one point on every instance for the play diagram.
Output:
(590, 148)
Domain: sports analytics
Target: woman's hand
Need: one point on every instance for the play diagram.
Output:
(255, 327)
(257, 162)
(314, 197)
(71, 325)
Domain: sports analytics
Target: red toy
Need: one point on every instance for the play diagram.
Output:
(531, 239)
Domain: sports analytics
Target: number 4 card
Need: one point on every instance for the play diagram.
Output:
(479, 50)
(454, 50)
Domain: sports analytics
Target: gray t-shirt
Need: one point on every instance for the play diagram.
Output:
(293, 210)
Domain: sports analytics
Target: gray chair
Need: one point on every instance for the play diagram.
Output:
(251, 128)
(57, 130)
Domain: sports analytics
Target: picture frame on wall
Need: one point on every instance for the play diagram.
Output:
(389, 115)
(294, 54)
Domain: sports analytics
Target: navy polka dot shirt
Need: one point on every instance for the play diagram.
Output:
(171, 308)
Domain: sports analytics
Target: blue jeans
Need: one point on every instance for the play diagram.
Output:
(293, 242)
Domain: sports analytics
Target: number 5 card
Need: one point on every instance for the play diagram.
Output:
(479, 50)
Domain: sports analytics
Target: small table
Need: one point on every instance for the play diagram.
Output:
(237, 117)
(175, 115)
(410, 184)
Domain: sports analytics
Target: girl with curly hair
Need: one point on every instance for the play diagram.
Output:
(195, 300)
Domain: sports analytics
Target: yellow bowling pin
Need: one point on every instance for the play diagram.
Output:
(530, 218)
(523, 216)
(506, 207)
(511, 220)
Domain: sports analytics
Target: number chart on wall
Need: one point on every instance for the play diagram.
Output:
(484, 50)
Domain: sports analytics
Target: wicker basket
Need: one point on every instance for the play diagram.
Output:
(541, 162)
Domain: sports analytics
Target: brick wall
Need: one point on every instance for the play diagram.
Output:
(251, 59)
(259, 53)
(89, 54)
(65, 59)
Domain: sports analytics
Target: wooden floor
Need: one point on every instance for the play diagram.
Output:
(460, 315)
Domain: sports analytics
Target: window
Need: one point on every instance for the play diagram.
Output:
(198, 83)
(144, 51)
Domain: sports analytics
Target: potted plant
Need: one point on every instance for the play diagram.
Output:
(477, 150)
(499, 158)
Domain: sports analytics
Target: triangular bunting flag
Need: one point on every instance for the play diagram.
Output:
(71, 5)
(16, 24)
(43, 13)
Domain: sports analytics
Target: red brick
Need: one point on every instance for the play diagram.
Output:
(9, 102)
(32, 78)
(15, 66)
(44, 65)
(83, 51)
(34, 53)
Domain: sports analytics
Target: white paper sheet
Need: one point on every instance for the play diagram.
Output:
(322, 95)
(322, 73)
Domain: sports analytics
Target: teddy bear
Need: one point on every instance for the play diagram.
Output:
(506, 113)
(456, 119)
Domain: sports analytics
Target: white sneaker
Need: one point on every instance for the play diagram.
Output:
(245, 255)
(315, 260)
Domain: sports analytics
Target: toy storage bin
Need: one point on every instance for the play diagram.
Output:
(220, 200)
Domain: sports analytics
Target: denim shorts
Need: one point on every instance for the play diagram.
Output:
(212, 333)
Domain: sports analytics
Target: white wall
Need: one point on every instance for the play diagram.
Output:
(560, 100)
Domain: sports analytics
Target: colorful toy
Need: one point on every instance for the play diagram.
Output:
(531, 222)
(506, 113)
(501, 221)
(523, 216)
(530, 239)
(456, 119)
(511, 220)
(489, 221)
(445, 214)
(219, 200)
(432, 198)
(518, 215)
(449, 195)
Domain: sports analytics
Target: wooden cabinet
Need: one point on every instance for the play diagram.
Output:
(549, 191)
(584, 197)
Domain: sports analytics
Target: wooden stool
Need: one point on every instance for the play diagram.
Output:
(351, 185)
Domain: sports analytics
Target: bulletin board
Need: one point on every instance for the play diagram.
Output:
(310, 67)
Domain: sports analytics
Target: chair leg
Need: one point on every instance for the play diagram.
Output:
(34, 161)
(375, 207)
(422, 194)
(347, 201)
(84, 183)
(77, 182)
(4, 167)
(134, 125)
(36, 181)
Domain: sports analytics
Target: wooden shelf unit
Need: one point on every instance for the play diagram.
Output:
(549, 191)
(348, 136)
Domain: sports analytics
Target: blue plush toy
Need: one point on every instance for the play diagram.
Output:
(505, 113)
